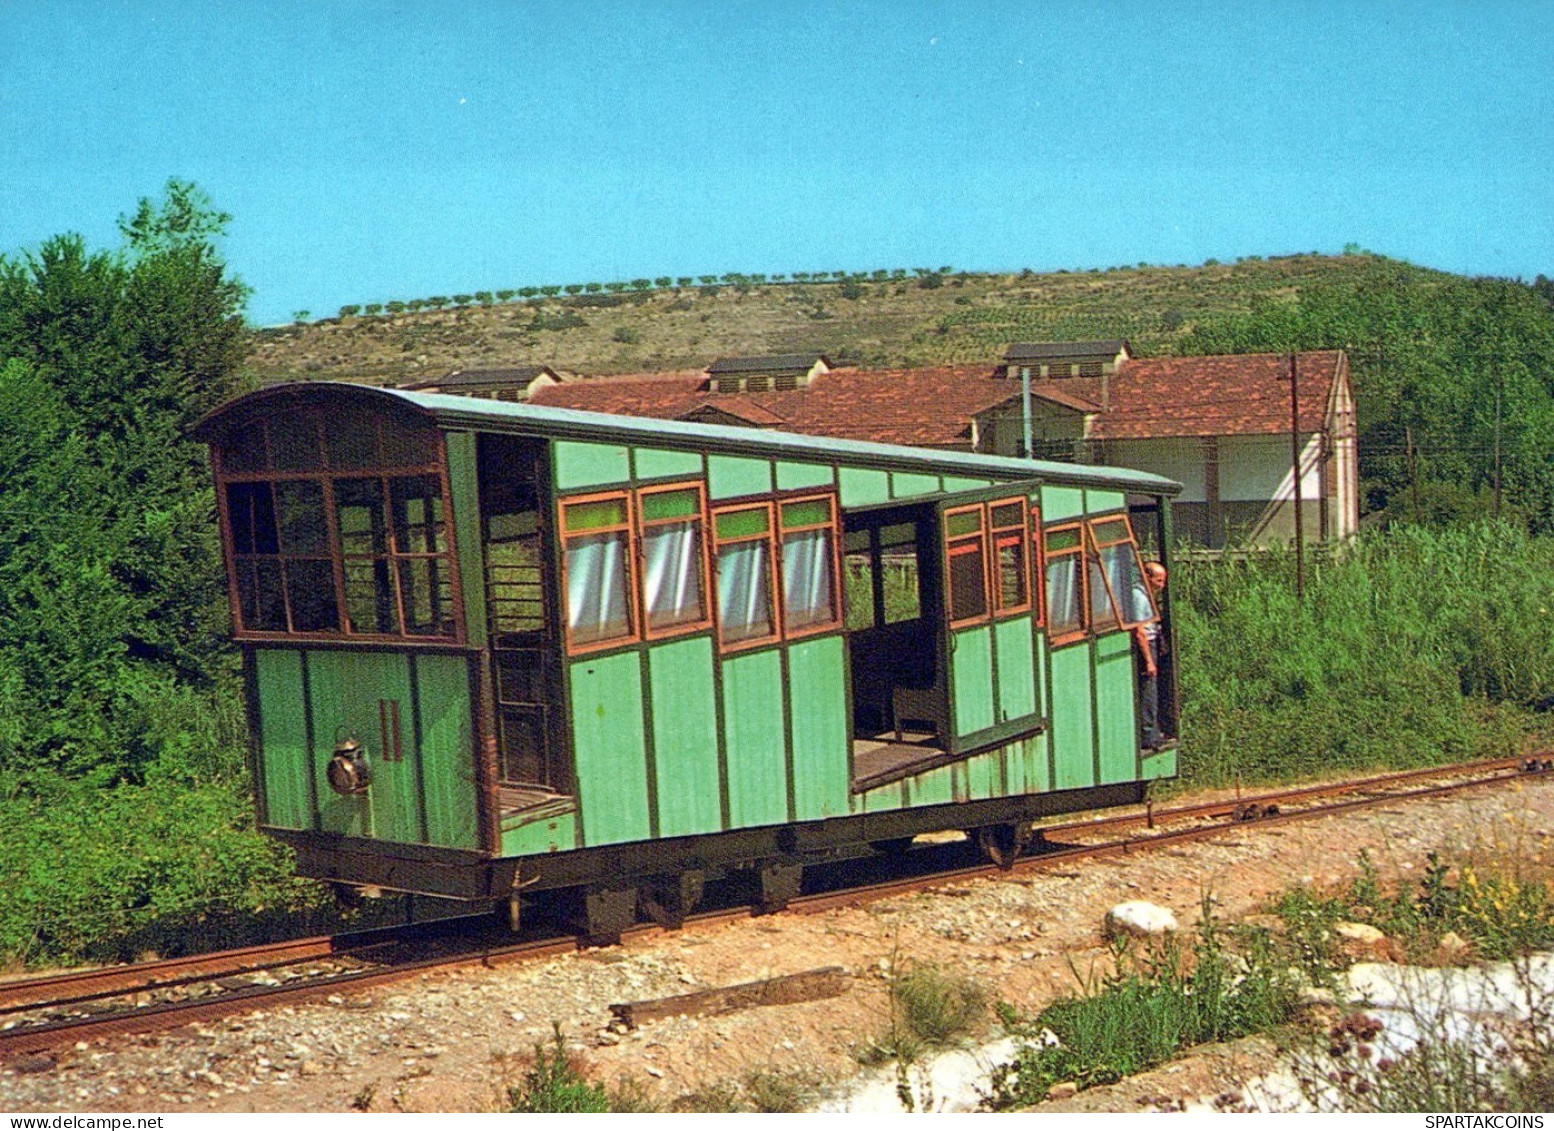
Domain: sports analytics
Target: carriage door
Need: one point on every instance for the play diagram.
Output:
(988, 627)
(532, 759)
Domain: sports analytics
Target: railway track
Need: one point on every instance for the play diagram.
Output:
(38, 1014)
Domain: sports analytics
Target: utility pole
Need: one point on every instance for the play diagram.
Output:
(1300, 527)
(1025, 409)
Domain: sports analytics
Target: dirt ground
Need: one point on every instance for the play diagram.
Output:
(456, 1041)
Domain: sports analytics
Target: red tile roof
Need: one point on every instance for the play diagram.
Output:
(1232, 395)
(1244, 394)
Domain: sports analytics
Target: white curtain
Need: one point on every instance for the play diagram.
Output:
(744, 590)
(806, 578)
(671, 574)
(1063, 594)
(596, 587)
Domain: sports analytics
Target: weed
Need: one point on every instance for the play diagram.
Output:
(1157, 999)
(555, 1083)
(928, 1008)
(779, 1091)
(1445, 1055)
(1496, 905)
(710, 1098)
(760, 1092)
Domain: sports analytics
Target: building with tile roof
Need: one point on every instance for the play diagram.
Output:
(1221, 425)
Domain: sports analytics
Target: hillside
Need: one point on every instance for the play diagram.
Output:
(949, 318)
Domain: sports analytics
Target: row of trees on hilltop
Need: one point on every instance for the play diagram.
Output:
(112, 610)
(925, 276)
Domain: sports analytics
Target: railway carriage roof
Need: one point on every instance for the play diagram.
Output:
(449, 411)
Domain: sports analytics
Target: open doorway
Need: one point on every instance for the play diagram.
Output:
(533, 766)
(900, 702)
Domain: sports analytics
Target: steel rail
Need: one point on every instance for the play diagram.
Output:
(119, 981)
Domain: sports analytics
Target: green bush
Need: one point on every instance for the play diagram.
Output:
(1411, 646)
(1157, 1001)
(173, 866)
(555, 1083)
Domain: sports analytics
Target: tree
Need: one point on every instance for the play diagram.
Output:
(111, 591)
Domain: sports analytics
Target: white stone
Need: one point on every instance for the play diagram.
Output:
(1139, 918)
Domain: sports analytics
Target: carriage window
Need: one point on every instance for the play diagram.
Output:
(1037, 569)
(1065, 557)
(744, 557)
(331, 536)
(673, 561)
(596, 565)
(808, 565)
(965, 548)
(1011, 548)
(1118, 564)
(987, 554)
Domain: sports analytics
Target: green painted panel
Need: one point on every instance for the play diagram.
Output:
(350, 692)
(1073, 735)
(886, 797)
(817, 705)
(798, 476)
(1027, 765)
(753, 739)
(554, 834)
(961, 483)
(1061, 502)
(447, 751)
(1016, 668)
(1161, 765)
(589, 465)
(685, 737)
(905, 484)
(971, 676)
(936, 787)
(283, 739)
(1116, 726)
(1100, 502)
(466, 533)
(611, 753)
(862, 486)
(729, 477)
(657, 463)
(984, 775)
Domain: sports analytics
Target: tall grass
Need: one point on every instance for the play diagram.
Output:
(1411, 646)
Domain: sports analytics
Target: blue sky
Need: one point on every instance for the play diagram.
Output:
(377, 150)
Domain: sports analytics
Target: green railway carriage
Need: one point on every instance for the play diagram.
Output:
(495, 648)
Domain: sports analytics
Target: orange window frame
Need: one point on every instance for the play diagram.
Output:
(1037, 566)
(989, 539)
(704, 562)
(1050, 557)
(833, 528)
(633, 632)
(1017, 534)
(773, 579)
(1127, 539)
(334, 554)
(958, 545)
